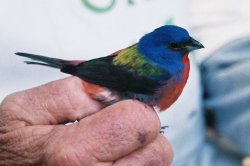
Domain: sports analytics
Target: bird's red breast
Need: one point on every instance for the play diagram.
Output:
(175, 87)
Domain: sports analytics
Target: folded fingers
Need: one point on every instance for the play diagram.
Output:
(108, 135)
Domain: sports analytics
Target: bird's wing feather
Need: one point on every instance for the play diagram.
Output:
(102, 72)
(105, 72)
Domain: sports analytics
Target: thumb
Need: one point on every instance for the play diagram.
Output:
(53, 103)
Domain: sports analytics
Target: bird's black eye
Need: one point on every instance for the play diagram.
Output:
(174, 46)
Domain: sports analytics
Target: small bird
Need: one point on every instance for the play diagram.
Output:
(154, 70)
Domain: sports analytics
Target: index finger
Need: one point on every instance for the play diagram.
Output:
(53, 103)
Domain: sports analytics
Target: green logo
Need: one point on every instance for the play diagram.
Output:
(110, 5)
(102, 9)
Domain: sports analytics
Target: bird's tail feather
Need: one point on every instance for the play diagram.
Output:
(43, 60)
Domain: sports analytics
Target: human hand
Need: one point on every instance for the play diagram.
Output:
(32, 130)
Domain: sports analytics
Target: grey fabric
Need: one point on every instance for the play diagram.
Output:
(226, 81)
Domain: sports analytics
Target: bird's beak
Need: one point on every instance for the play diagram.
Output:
(193, 44)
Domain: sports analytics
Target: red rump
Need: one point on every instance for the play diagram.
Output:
(75, 62)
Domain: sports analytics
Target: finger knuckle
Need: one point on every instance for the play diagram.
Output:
(145, 114)
(9, 103)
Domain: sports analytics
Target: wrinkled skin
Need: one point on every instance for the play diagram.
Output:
(32, 130)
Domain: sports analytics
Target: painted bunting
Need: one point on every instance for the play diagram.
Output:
(154, 70)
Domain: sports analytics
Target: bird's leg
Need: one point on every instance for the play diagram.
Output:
(162, 129)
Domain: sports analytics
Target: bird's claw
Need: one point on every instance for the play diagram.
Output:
(162, 129)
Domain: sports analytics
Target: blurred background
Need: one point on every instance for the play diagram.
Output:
(209, 125)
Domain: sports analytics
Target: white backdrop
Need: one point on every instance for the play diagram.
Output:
(71, 30)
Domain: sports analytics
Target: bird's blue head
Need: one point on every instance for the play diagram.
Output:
(167, 45)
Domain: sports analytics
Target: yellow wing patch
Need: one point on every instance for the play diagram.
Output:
(135, 62)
